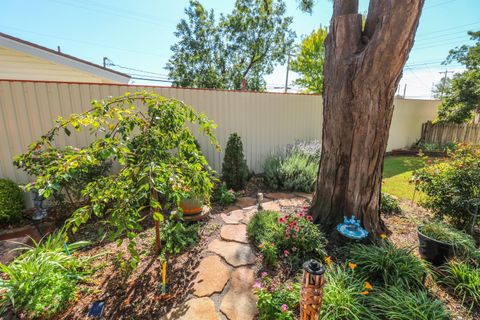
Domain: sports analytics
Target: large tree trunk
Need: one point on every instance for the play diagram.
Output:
(361, 73)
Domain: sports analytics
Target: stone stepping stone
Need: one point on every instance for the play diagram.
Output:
(248, 216)
(236, 254)
(279, 195)
(213, 275)
(271, 206)
(240, 303)
(246, 202)
(233, 217)
(198, 309)
(234, 232)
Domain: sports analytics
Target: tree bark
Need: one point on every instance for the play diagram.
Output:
(361, 73)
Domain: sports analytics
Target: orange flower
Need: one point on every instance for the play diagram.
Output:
(364, 292)
(383, 236)
(328, 260)
(352, 265)
(368, 285)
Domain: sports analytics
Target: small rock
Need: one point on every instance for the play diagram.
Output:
(198, 309)
(240, 303)
(246, 202)
(294, 202)
(233, 217)
(236, 254)
(212, 276)
(234, 232)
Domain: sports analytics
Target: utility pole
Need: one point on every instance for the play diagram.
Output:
(444, 81)
(404, 90)
(288, 69)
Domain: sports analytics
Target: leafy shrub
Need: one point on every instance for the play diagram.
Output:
(234, 167)
(302, 239)
(264, 227)
(464, 279)
(385, 264)
(342, 295)
(451, 146)
(389, 204)
(453, 187)
(42, 280)
(224, 196)
(177, 236)
(399, 303)
(294, 235)
(296, 169)
(269, 252)
(463, 243)
(11, 201)
(159, 163)
(276, 302)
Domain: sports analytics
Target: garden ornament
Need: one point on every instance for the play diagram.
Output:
(259, 201)
(96, 309)
(311, 294)
(40, 212)
(351, 228)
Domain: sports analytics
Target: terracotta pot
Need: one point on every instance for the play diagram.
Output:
(193, 205)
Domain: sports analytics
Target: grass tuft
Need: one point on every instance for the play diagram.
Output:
(464, 279)
(386, 264)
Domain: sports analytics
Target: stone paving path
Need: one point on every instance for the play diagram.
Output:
(224, 278)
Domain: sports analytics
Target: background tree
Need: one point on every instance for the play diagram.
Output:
(439, 89)
(309, 60)
(462, 99)
(362, 69)
(247, 43)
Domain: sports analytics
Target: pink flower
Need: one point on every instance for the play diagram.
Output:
(284, 308)
(260, 256)
(294, 249)
(309, 218)
(301, 214)
(286, 253)
(257, 285)
(282, 220)
(264, 274)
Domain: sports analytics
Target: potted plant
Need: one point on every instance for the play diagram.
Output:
(192, 205)
(440, 242)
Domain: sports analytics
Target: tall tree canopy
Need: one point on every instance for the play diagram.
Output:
(308, 61)
(363, 66)
(245, 44)
(462, 98)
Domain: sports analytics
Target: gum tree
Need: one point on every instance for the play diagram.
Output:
(362, 68)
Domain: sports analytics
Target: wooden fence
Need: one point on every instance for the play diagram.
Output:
(446, 133)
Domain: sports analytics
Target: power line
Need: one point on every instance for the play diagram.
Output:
(439, 4)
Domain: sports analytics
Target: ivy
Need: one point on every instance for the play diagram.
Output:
(148, 138)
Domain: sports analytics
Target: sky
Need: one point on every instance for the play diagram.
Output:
(138, 34)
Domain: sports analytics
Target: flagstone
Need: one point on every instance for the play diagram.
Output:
(240, 303)
(198, 309)
(233, 217)
(234, 232)
(212, 276)
(236, 254)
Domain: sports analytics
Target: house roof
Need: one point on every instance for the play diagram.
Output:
(61, 58)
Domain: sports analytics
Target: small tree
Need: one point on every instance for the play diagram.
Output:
(159, 162)
(234, 168)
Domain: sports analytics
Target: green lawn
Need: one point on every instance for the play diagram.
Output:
(397, 172)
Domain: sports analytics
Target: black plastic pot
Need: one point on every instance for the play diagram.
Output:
(434, 251)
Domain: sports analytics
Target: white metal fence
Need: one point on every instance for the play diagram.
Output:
(265, 121)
